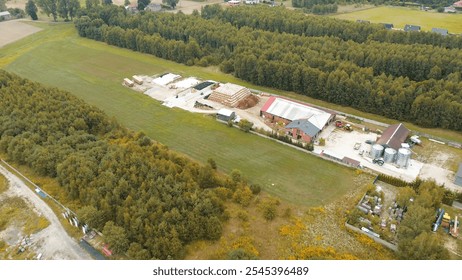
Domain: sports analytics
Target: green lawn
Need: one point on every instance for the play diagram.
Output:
(94, 71)
(401, 16)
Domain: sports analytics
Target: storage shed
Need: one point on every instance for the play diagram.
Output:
(225, 115)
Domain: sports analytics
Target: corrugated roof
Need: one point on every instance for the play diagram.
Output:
(304, 125)
(5, 13)
(292, 110)
(393, 136)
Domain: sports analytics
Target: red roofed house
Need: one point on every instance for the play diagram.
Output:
(457, 5)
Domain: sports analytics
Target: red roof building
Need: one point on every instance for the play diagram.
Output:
(458, 5)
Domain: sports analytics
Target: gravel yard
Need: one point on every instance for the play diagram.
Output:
(51, 243)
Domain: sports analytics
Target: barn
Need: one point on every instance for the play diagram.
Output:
(229, 94)
(394, 136)
(458, 180)
(302, 121)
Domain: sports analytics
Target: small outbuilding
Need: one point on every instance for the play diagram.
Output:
(5, 16)
(410, 27)
(458, 179)
(226, 115)
(388, 26)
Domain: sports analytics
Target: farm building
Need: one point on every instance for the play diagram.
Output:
(303, 122)
(5, 15)
(393, 136)
(441, 31)
(225, 115)
(302, 130)
(388, 26)
(229, 94)
(458, 180)
(409, 27)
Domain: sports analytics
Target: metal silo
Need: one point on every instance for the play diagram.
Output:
(376, 151)
(389, 155)
(404, 155)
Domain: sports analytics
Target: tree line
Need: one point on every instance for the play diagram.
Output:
(279, 19)
(149, 201)
(418, 83)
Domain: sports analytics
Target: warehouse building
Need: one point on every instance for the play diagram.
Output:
(302, 121)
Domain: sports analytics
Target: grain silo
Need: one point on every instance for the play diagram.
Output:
(389, 155)
(376, 151)
(404, 155)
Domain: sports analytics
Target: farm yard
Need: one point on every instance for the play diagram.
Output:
(400, 16)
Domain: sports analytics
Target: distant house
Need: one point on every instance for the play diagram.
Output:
(252, 2)
(457, 5)
(394, 136)
(458, 179)
(153, 7)
(450, 9)
(5, 16)
(225, 115)
(410, 27)
(441, 31)
(388, 26)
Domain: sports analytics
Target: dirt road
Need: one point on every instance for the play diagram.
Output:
(53, 242)
(14, 30)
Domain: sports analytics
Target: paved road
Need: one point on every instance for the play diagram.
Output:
(53, 242)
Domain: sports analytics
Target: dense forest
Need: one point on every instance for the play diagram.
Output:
(329, 59)
(153, 201)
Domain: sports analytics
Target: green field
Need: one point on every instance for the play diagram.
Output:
(400, 16)
(93, 71)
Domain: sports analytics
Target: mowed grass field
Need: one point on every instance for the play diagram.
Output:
(400, 16)
(94, 71)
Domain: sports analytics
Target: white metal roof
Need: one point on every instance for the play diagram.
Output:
(290, 110)
(166, 79)
(225, 112)
(5, 13)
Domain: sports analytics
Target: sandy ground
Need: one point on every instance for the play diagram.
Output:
(14, 30)
(53, 242)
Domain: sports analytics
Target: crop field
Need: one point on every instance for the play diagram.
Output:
(94, 71)
(400, 16)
